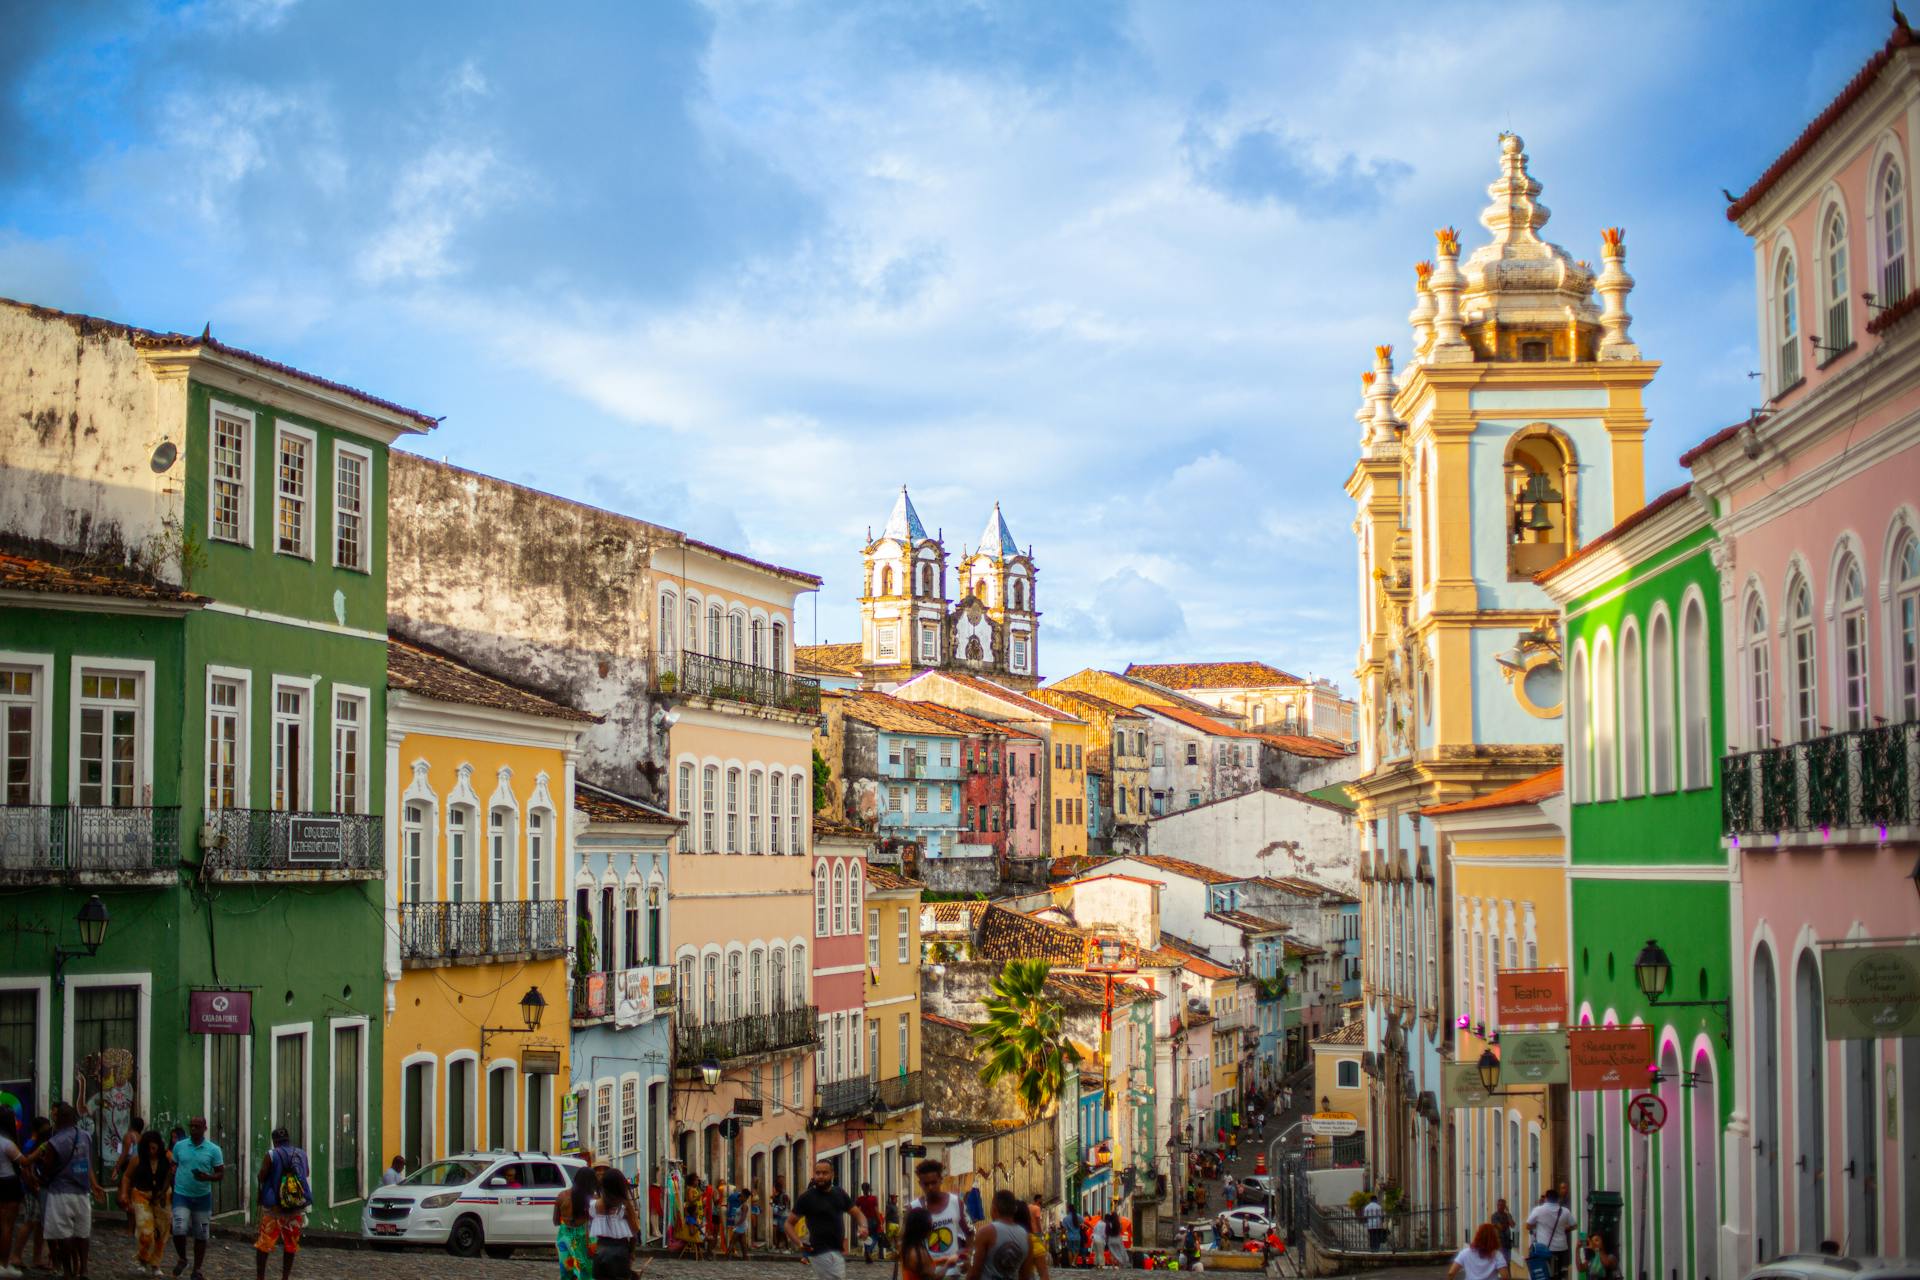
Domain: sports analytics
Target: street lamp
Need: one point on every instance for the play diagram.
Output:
(710, 1073)
(1652, 970)
(92, 919)
(533, 1007)
(1489, 1071)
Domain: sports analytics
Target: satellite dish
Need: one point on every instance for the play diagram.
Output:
(164, 454)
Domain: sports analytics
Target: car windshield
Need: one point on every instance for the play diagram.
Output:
(445, 1173)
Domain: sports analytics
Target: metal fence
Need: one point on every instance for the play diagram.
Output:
(744, 682)
(431, 931)
(253, 840)
(750, 1034)
(1400, 1231)
(839, 1099)
(1859, 778)
(43, 839)
(898, 1092)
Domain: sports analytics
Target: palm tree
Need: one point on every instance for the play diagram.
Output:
(1023, 1038)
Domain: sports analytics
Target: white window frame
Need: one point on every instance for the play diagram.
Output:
(142, 670)
(1756, 671)
(306, 685)
(1803, 674)
(444, 1088)
(363, 697)
(341, 449)
(249, 423)
(1850, 713)
(243, 739)
(40, 665)
(1903, 683)
(334, 1025)
(537, 881)
(886, 642)
(1786, 322)
(1605, 707)
(310, 505)
(281, 1032)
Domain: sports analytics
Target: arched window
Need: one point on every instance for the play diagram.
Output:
(1757, 674)
(500, 844)
(1893, 235)
(1633, 713)
(416, 853)
(1839, 328)
(819, 899)
(736, 983)
(710, 988)
(757, 982)
(839, 899)
(754, 784)
(1800, 657)
(1660, 702)
(853, 895)
(799, 974)
(714, 647)
(461, 872)
(733, 811)
(656, 921)
(1696, 741)
(1852, 624)
(886, 580)
(737, 636)
(709, 800)
(1786, 321)
(1579, 748)
(926, 579)
(693, 623)
(777, 979)
(665, 629)
(777, 657)
(1539, 476)
(774, 812)
(757, 643)
(1019, 594)
(794, 827)
(1605, 706)
(1906, 629)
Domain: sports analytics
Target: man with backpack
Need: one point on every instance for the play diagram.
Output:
(285, 1196)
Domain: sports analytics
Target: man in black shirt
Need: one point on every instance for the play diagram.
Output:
(825, 1206)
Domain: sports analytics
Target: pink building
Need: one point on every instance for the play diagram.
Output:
(1026, 795)
(845, 1080)
(1819, 557)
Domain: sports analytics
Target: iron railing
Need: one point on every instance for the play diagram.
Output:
(54, 839)
(1857, 778)
(743, 682)
(746, 1035)
(898, 1092)
(839, 1099)
(433, 931)
(269, 840)
(1433, 1230)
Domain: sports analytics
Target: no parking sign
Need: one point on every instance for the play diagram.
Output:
(1646, 1114)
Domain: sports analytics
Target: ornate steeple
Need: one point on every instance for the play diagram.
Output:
(997, 539)
(904, 524)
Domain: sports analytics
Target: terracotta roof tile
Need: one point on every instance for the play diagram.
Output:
(1353, 1033)
(1194, 958)
(1300, 886)
(1248, 921)
(1148, 694)
(966, 913)
(1542, 786)
(1894, 314)
(827, 659)
(1009, 935)
(1633, 521)
(53, 577)
(834, 828)
(1901, 38)
(420, 668)
(1075, 864)
(966, 723)
(601, 805)
(1213, 675)
(1295, 948)
(1018, 703)
(887, 879)
(1092, 702)
(1093, 990)
(952, 1024)
(1206, 724)
(892, 714)
(1182, 867)
(1301, 744)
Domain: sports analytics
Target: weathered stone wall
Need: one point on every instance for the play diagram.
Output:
(959, 875)
(546, 592)
(84, 415)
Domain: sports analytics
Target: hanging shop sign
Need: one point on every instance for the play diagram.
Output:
(219, 1013)
(540, 1062)
(1460, 1086)
(1872, 993)
(1533, 1057)
(1603, 1058)
(1531, 996)
(1333, 1124)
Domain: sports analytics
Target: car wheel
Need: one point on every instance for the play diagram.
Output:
(502, 1251)
(466, 1238)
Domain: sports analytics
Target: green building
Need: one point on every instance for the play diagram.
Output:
(1649, 874)
(193, 664)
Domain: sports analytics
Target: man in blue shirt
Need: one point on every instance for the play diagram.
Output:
(197, 1165)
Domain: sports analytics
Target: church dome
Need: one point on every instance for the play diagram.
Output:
(1520, 279)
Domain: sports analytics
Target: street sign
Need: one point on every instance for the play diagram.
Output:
(1872, 993)
(220, 1013)
(1333, 1124)
(316, 840)
(1604, 1058)
(1646, 1114)
(540, 1062)
(1533, 1057)
(751, 1107)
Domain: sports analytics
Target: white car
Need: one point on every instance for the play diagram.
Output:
(1247, 1224)
(492, 1201)
(1814, 1266)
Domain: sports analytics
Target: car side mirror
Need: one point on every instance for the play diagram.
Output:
(496, 1182)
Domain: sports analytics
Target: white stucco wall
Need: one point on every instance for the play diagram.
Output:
(1247, 836)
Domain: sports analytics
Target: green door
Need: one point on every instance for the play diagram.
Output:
(347, 1157)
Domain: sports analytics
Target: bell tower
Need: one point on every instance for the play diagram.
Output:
(903, 601)
(995, 625)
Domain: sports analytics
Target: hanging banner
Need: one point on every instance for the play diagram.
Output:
(1531, 996)
(1460, 1086)
(1872, 993)
(1602, 1058)
(219, 1013)
(1533, 1057)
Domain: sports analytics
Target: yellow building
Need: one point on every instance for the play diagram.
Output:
(1337, 1086)
(893, 1026)
(1120, 737)
(1509, 916)
(480, 781)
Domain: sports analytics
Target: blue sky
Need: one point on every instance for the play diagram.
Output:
(745, 268)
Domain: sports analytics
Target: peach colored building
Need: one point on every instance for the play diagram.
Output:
(1816, 501)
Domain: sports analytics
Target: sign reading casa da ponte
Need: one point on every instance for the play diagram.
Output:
(219, 1013)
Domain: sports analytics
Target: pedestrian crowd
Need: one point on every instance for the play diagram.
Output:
(49, 1184)
(1552, 1235)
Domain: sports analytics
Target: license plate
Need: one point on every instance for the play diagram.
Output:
(386, 1228)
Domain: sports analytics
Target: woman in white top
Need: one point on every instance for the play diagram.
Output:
(613, 1228)
(1480, 1260)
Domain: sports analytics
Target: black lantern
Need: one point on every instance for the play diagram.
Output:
(1489, 1070)
(710, 1072)
(1651, 970)
(93, 920)
(533, 1007)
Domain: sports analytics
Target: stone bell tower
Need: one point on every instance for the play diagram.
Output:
(903, 601)
(995, 624)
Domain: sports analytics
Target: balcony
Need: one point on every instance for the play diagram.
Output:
(1863, 779)
(435, 933)
(49, 842)
(698, 675)
(745, 1036)
(843, 1099)
(898, 1092)
(252, 844)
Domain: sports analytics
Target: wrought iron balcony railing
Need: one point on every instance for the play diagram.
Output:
(432, 932)
(743, 682)
(898, 1092)
(1867, 778)
(746, 1035)
(842, 1098)
(253, 841)
(45, 840)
